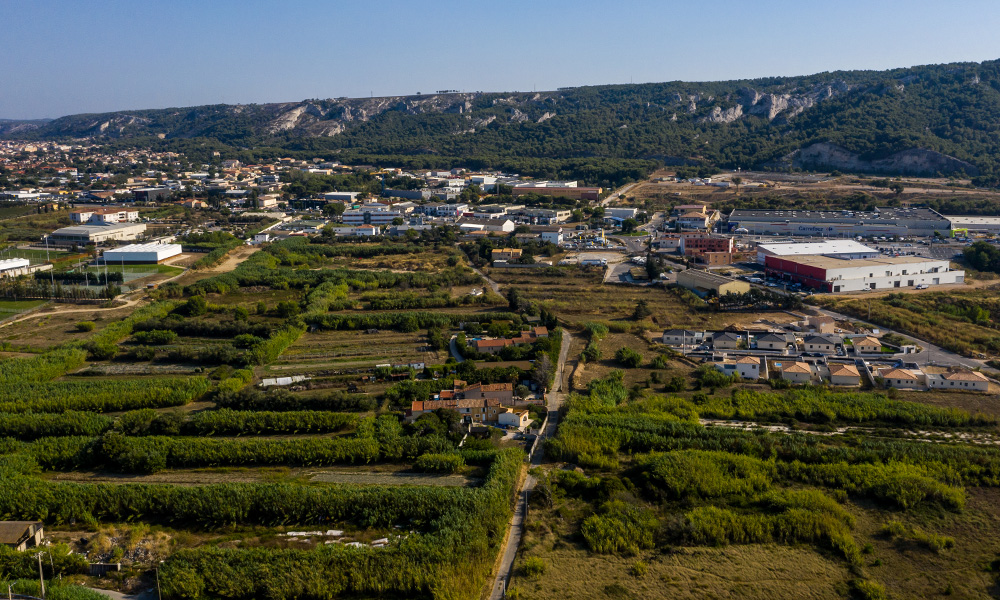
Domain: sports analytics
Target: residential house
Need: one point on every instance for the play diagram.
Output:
(21, 535)
(970, 381)
(505, 254)
(846, 375)
(499, 225)
(773, 341)
(827, 344)
(902, 378)
(746, 367)
(517, 418)
(868, 344)
(797, 372)
(679, 337)
(491, 345)
(728, 341)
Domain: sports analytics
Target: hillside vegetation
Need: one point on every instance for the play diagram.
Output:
(926, 119)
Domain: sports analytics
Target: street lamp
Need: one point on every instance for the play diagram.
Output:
(158, 595)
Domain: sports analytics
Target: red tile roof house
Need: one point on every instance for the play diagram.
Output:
(479, 402)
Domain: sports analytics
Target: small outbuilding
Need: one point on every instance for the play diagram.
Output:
(21, 535)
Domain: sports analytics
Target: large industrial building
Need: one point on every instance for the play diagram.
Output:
(846, 249)
(841, 223)
(96, 234)
(141, 253)
(705, 282)
(852, 275)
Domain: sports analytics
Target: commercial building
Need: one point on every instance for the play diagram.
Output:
(340, 196)
(840, 275)
(152, 194)
(490, 225)
(976, 223)
(847, 249)
(560, 189)
(371, 214)
(141, 253)
(104, 216)
(12, 267)
(620, 213)
(842, 223)
(704, 282)
(96, 234)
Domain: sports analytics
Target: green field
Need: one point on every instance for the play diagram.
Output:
(10, 307)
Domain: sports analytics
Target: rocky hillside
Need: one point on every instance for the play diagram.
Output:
(922, 120)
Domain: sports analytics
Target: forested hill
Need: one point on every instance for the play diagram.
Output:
(928, 119)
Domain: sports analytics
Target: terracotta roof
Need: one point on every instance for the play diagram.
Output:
(868, 340)
(844, 371)
(748, 360)
(897, 374)
(966, 376)
(797, 367)
(491, 343)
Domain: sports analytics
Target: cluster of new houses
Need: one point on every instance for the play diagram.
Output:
(815, 358)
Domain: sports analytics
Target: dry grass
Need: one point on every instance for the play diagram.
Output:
(761, 572)
(340, 350)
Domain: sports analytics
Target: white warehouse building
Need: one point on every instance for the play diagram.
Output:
(846, 249)
(142, 253)
(835, 275)
(12, 267)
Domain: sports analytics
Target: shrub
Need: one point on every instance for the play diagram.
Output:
(101, 350)
(628, 357)
(661, 362)
(675, 384)
(639, 569)
(591, 353)
(533, 566)
(439, 463)
(619, 528)
(85, 326)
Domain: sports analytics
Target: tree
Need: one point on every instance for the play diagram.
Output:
(522, 391)
(737, 181)
(896, 187)
(641, 310)
(629, 225)
(333, 209)
(543, 371)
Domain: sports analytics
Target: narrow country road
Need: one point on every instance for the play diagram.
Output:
(493, 285)
(509, 551)
(454, 349)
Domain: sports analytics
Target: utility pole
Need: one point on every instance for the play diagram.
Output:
(41, 580)
(158, 595)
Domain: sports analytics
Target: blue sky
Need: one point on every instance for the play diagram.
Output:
(63, 57)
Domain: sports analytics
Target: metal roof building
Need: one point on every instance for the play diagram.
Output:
(142, 253)
(848, 249)
(96, 234)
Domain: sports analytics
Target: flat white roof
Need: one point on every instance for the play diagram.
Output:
(150, 247)
(824, 247)
(13, 263)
